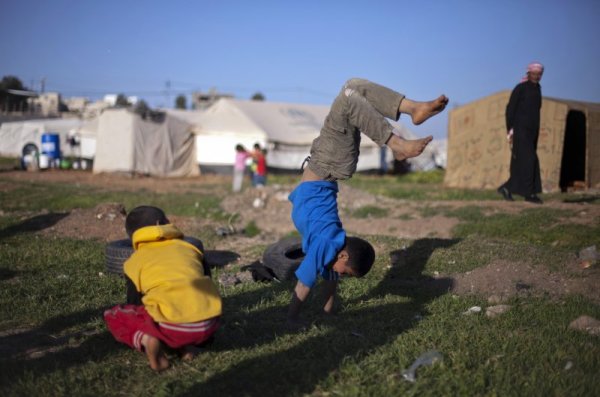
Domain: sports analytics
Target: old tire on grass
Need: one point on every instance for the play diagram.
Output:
(118, 251)
(284, 257)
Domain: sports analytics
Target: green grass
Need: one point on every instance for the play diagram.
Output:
(428, 211)
(53, 291)
(35, 197)
(536, 226)
(369, 211)
(433, 176)
(418, 186)
(251, 229)
(9, 163)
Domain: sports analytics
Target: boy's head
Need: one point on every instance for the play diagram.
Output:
(239, 148)
(143, 216)
(356, 258)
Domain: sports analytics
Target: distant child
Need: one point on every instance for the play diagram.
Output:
(170, 301)
(361, 106)
(259, 175)
(239, 167)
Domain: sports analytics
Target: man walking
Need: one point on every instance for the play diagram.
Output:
(523, 126)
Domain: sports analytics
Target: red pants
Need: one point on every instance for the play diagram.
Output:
(128, 323)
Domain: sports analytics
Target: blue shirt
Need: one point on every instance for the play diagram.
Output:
(315, 214)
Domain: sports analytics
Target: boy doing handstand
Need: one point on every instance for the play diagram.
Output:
(361, 106)
(170, 299)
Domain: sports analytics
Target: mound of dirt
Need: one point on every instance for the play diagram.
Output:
(502, 280)
(106, 222)
(270, 209)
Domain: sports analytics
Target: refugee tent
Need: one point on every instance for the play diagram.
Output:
(86, 133)
(16, 134)
(285, 129)
(568, 144)
(127, 143)
(217, 131)
(434, 156)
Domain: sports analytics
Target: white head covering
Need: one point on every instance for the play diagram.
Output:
(533, 67)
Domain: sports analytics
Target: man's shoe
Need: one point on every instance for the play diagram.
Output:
(505, 193)
(533, 199)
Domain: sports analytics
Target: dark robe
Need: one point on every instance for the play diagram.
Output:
(523, 116)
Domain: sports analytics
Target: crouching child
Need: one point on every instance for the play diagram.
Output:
(171, 302)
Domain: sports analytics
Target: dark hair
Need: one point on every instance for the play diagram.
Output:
(257, 146)
(361, 255)
(240, 148)
(143, 216)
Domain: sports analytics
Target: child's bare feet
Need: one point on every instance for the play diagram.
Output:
(404, 149)
(421, 111)
(154, 352)
(188, 353)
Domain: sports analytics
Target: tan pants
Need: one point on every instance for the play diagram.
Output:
(361, 106)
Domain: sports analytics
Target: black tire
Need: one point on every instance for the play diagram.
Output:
(118, 251)
(284, 257)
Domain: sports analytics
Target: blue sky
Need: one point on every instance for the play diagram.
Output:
(301, 51)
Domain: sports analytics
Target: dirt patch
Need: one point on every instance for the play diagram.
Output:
(504, 280)
(106, 222)
(272, 213)
(118, 181)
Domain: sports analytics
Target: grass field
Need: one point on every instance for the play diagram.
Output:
(53, 291)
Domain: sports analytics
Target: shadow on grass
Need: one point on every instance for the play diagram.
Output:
(220, 258)
(7, 274)
(39, 352)
(406, 277)
(33, 224)
(298, 369)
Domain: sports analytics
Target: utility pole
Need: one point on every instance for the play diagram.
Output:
(168, 93)
(43, 84)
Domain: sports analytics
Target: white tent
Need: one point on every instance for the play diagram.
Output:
(16, 134)
(127, 143)
(218, 130)
(87, 133)
(434, 156)
(286, 129)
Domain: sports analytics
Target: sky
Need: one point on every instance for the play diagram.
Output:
(301, 51)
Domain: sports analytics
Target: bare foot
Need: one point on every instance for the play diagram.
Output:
(404, 149)
(423, 110)
(188, 353)
(154, 352)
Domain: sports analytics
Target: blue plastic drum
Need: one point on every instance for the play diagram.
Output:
(51, 145)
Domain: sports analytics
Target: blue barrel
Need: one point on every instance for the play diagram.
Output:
(51, 145)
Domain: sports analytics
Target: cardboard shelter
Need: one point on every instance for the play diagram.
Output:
(568, 146)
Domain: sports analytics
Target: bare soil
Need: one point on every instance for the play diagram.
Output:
(270, 210)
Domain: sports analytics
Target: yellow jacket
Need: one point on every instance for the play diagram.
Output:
(168, 272)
